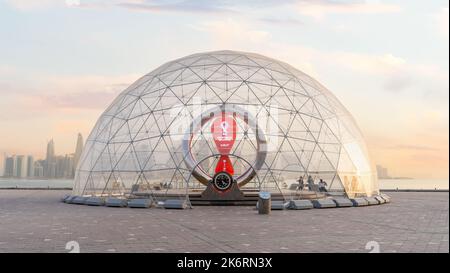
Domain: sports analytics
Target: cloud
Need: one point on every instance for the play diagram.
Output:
(313, 8)
(36, 108)
(80, 92)
(133, 5)
(388, 71)
(321, 8)
(29, 5)
(51, 94)
(385, 63)
(81, 100)
(177, 6)
(395, 73)
(221, 6)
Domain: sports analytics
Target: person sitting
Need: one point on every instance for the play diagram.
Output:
(323, 186)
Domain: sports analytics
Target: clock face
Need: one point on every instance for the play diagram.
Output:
(222, 181)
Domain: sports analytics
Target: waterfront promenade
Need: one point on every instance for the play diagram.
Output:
(36, 221)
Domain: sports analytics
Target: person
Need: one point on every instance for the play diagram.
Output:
(323, 186)
(301, 184)
(310, 183)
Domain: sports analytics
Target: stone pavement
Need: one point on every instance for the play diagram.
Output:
(36, 221)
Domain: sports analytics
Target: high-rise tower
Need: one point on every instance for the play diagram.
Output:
(30, 166)
(21, 166)
(50, 161)
(78, 150)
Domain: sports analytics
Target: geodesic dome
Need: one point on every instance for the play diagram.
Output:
(156, 135)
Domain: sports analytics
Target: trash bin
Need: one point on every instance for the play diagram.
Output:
(264, 202)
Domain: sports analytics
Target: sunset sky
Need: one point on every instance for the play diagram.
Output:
(63, 62)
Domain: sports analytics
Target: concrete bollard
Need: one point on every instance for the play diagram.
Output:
(264, 203)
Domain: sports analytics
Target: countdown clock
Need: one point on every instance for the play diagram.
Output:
(222, 181)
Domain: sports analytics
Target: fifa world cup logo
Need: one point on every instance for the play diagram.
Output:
(224, 126)
(224, 133)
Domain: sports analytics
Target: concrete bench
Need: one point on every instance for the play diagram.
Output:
(65, 197)
(70, 199)
(323, 203)
(300, 204)
(385, 197)
(175, 204)
(140, 203)
(359, 202)
(79, 200)
(95, 201)
(115, 202)
(279, 205)
(380, 199)
(342, 202)
(372, 201)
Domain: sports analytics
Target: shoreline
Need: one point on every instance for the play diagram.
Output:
(69, 189)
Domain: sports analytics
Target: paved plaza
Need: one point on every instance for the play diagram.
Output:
(36, 221)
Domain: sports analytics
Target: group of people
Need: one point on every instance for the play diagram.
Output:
(322, 184)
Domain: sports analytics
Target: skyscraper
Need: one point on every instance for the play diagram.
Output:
(21, 166)
(60, 166)
(39, 168)
(69, 169)
(10, 166)
(50, 161)
(78, 150)
(382, 172)
(30, 166)
(2, 164)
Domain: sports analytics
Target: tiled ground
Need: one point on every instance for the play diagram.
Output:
(35, 221)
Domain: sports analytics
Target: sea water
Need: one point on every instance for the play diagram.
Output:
(35, 183)
(414, 184)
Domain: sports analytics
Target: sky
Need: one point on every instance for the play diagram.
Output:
(62, 62)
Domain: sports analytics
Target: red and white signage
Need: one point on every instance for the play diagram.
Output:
(224, 133)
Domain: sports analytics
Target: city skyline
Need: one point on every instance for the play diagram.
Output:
(391, 74)
(382, 172)
(51, 166)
